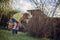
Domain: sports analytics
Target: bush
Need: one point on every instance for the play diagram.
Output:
(42, 26)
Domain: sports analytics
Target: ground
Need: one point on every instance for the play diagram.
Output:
(7, 35)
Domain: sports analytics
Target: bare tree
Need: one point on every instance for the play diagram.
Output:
(57, 4)
(42, 4)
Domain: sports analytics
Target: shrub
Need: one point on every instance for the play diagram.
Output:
(42, 26)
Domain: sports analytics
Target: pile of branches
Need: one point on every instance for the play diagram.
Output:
(42, 26)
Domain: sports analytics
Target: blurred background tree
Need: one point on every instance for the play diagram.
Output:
(5, 8)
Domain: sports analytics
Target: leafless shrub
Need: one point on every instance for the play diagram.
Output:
(42, 26)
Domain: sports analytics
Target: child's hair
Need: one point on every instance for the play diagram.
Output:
(26, 15)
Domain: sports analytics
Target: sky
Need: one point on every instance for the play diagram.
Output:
(28, 4)
(23, 5)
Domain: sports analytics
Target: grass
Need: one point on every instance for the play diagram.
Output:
(7, 35)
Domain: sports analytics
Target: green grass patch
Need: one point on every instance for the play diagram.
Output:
(7, 35)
